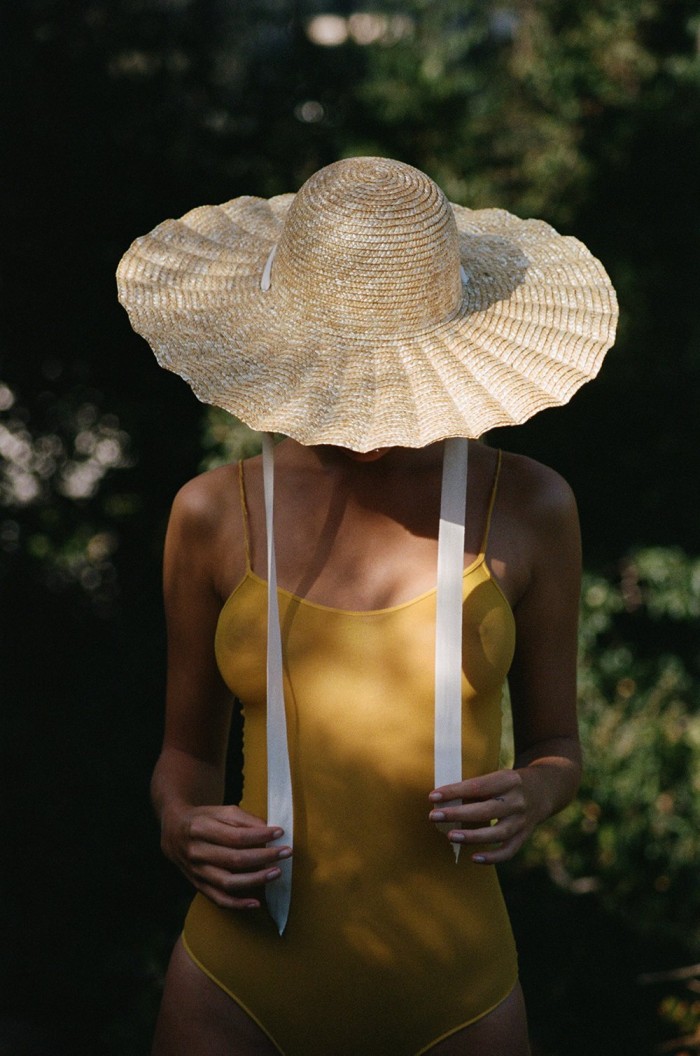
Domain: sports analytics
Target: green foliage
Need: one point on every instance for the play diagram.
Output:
(225, 439)
(55, 514)
(633, 834)
(518, 92)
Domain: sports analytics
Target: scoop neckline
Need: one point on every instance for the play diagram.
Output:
(479, 560)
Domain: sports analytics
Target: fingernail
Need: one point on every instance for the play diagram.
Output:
(273, 874)
(276, 833)
(456, 837)
(437, 815)
(285, 853)
(435, 796)
(252, 905)
(479, 859)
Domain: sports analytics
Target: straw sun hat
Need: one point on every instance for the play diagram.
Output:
(368, 311)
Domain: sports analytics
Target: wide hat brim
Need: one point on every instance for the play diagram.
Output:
(536, 316)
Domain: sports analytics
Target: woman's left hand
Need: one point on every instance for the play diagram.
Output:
(499, 809)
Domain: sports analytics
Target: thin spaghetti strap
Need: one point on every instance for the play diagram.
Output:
(244, 513)
(492, 501)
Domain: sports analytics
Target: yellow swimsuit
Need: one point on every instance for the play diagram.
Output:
(390, 946)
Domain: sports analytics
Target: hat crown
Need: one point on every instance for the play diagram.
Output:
(369, 244)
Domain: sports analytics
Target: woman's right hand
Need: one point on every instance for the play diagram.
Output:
(222, 851)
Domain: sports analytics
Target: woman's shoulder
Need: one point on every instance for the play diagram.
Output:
(207, 500)
(536, 492)
(206, 530)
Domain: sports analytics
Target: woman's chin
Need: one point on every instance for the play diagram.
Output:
(365, 456)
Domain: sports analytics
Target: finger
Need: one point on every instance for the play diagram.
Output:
(236, 885)
(230, 814)
(211, 830)
(478, 813)
(224, 901)
(235, 860)
(504, 853)
(487, 786)
(505, 829)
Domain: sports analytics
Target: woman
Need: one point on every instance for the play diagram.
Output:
(377, 327)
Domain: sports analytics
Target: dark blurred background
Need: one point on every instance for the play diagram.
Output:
(119, 113)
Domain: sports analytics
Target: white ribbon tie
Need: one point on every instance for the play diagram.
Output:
(448, 620)
(280, 811)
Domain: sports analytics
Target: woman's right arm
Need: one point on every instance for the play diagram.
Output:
(220, 849)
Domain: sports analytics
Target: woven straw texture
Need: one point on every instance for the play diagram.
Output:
(370, 335)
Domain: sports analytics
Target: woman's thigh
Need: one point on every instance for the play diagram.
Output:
(503, 1032)
(197, 1018)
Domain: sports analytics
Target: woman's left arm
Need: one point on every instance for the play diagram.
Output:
(501, 809)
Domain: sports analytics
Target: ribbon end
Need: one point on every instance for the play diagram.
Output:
(278, 895)
(278, 909)
(448, 826)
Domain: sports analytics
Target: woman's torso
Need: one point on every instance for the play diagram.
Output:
(377, 895)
